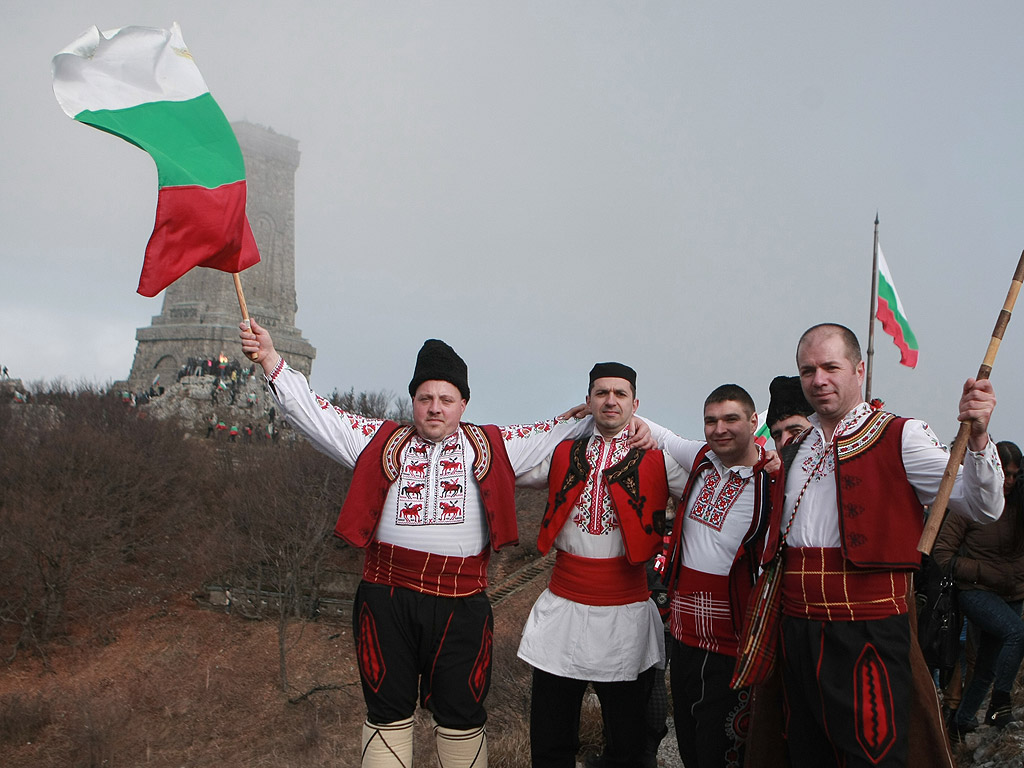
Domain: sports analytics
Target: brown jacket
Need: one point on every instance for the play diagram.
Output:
(987, 556)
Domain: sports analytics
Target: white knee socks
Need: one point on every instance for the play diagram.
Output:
(388, 745)
(461, 749)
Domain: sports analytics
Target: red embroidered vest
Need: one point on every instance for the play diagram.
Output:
(379, 465)
(638, 488)
(880, 517)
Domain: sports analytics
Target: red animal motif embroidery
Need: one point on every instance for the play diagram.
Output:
(449, 448)
(413, 490)
(450, 465)
(410, 513)
(450, 488)
(417, 467)
(418, 449)
(450, 511)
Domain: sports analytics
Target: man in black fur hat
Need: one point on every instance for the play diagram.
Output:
(788, 410)
(427, 502)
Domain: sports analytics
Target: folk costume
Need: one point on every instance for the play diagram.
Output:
(428, 514)
(721, 527)
(846, 640)
(596, 623)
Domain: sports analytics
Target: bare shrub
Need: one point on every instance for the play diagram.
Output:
(23, 717)
(284, 507)
(85, 486)
(381, 404)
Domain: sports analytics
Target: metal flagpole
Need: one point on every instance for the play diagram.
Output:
(871, 318)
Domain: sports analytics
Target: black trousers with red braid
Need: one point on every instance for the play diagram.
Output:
(411, 645)
(848, 692)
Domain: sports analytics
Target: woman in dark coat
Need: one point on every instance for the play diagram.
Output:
(988, 564)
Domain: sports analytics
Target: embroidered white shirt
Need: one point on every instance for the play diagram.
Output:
(434, 505)
(977, 493)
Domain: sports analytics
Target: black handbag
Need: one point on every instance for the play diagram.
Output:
(940, 633)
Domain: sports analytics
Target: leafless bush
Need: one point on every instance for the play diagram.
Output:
(285, 518)
(377, 405)
(83, 490)
(22, 717)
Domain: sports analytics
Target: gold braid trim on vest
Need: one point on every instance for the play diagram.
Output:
(391, 457)
(870, 432)
(482, 448)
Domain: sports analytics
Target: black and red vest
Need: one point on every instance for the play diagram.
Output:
(880, 517)
(379, 465)
(637, 485)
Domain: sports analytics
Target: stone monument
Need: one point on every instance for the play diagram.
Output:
(200, 313)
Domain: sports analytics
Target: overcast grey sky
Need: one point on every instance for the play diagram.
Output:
(683, 186)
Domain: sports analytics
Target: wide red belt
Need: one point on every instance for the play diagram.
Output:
(598, 581)
(818, 583)
(441, 575)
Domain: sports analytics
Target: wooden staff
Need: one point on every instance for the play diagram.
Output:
(245, 310)
(956, 456)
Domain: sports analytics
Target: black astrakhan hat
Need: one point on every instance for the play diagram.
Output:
(437, 361)
(618, 370)
(787, 399)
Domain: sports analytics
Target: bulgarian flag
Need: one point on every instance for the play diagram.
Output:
(141, 84)
(892, 316)
(763, 433)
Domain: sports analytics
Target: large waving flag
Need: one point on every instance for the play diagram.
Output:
(892, 316)
(141, 84)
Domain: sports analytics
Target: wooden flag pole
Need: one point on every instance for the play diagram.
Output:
(245, 310)
(956, 455)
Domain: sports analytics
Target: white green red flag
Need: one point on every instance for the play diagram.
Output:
(892, 316)
(763, 433)
(140, 83)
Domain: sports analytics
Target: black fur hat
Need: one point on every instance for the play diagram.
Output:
(437, 361)
(787, 399)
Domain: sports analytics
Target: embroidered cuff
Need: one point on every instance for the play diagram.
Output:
(276, 372)
(987, 455)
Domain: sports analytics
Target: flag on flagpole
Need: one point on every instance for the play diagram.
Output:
(892, 316)
(141, 84)
(763, 433)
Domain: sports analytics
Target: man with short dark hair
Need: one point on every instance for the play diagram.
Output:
(723, 519)
(855, 486)
(427, 502)
(595, 623)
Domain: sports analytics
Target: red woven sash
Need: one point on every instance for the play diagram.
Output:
(598, 581)
(819, 584)
(441, 575)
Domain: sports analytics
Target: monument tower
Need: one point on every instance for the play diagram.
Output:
(200, 313)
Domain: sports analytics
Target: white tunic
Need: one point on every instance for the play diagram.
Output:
(602, 643)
